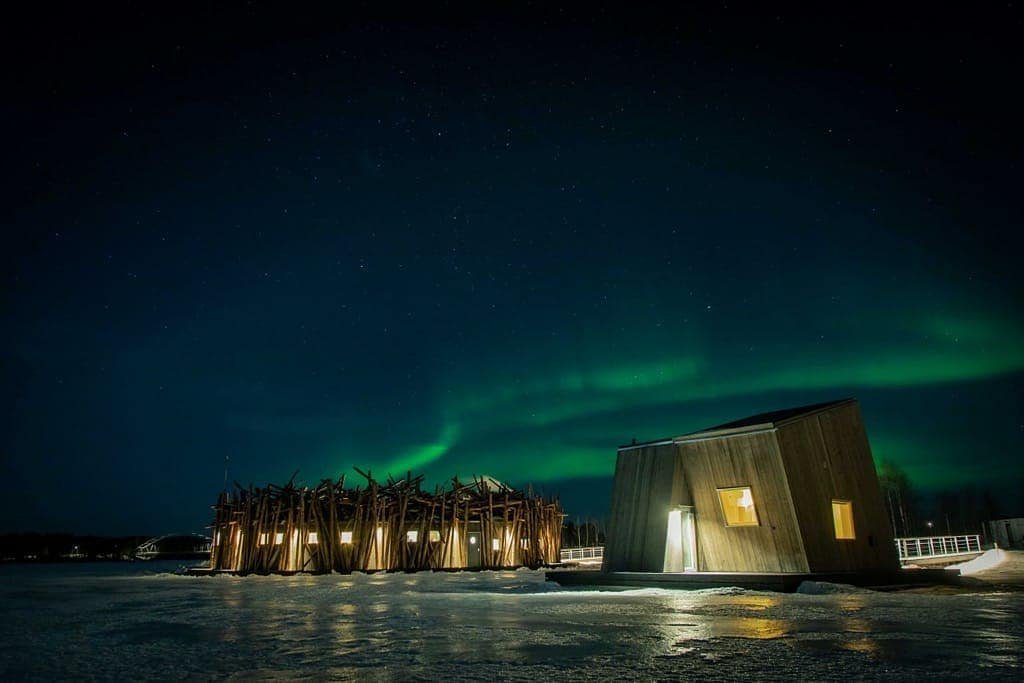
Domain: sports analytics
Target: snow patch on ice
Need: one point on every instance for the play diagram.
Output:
(987, 560)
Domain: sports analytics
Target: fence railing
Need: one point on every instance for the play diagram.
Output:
(937, 546)
(593, 553)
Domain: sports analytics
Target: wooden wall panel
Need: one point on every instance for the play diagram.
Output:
(826, 457)
(742, 460)
(645, 482)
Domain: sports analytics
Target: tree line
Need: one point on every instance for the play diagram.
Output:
(914, 512)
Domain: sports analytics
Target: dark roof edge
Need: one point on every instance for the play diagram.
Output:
(823, 409)
(724, 430)
(772, 419)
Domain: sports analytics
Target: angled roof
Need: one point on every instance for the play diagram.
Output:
(774, 417)
(761, 421)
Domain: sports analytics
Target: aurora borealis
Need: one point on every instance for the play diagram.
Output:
(498, 245)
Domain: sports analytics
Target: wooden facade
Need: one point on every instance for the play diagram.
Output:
(794, 465)
(395, 526)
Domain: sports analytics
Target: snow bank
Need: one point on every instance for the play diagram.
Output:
(987, 560)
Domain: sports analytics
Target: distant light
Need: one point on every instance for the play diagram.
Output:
(435, 535)
(525, 543)
(264, 537)
(412, 535)
(279, 538)
(312, 538)
(495, 544)
(472, 540)
(346, 537)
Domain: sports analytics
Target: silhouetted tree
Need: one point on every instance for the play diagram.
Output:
(900, 499)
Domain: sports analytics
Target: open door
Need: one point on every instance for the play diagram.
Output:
(681, 541)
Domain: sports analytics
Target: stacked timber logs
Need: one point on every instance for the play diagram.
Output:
(395, 526)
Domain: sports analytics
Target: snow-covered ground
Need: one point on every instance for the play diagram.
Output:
(1000, 567)
(987, 561)
(122, 621)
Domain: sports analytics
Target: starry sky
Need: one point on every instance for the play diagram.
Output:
(496, 244)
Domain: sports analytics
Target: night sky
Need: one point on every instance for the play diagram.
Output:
(496, 244)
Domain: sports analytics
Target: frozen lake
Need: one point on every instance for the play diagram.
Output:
(129, 621)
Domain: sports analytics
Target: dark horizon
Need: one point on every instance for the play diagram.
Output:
(497, 244)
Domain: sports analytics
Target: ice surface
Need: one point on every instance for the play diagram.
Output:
(826, 588)
(127, 622)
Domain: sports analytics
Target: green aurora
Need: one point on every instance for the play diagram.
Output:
(548, 428)
(497, 249)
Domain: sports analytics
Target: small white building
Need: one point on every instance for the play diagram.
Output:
(1006, 533)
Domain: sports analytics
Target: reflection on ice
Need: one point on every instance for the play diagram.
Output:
(484, 625)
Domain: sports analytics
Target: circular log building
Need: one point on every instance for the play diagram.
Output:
(395, 526)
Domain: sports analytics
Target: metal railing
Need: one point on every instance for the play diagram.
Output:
(593, 553)
(937, 546)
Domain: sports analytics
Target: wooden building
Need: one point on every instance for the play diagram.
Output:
(791, 491)
(395, 526)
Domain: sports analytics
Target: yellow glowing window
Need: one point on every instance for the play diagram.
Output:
(346, 536)
(279, 538)
(412, 536)
(435, 536)
(495, 545)
(738, 506)
(313, 537)
(525, 543)
(263, 538)
(842, 517)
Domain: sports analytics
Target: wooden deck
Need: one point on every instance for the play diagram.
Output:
(779, 582)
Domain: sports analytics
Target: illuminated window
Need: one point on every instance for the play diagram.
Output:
(524, 543)
(412, 536)
(495, 544)
(435, 536)
(263, 538)
(346, 537)
(842, 517)
(312, 537)
(738, 506)
(279, 538)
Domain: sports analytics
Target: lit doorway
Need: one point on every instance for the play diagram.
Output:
(681, 540)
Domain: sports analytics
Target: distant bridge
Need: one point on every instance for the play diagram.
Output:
(584, 556)
(937, 547)
(174, 547)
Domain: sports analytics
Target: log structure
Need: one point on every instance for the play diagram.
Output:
(393, 526)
